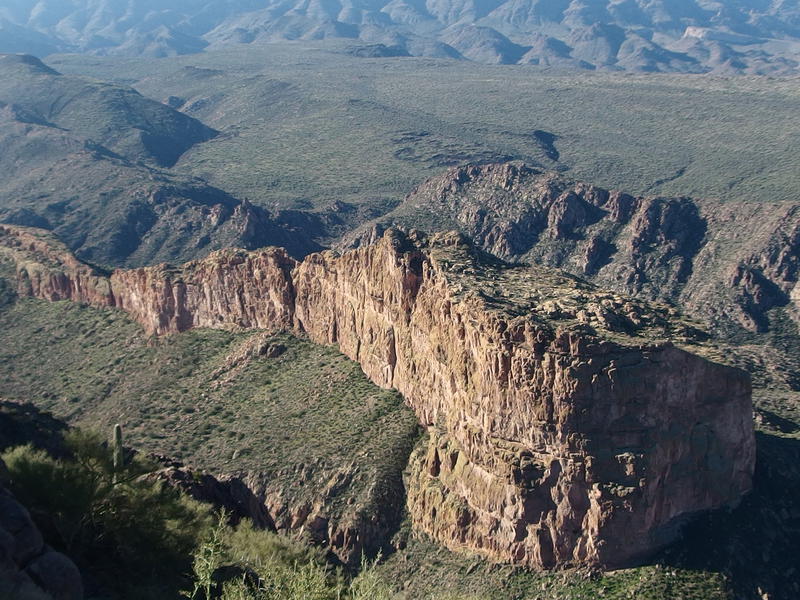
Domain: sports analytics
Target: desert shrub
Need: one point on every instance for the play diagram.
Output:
(277, 581)
(7, 293)
(245, 545)
(368, 585)
(124, 528)
(260, 565)
(267, 566)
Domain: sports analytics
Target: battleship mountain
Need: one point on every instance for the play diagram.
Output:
(567, 425)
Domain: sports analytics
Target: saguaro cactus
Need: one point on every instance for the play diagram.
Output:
(118, 456)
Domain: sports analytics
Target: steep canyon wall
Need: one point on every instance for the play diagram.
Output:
(565, 426)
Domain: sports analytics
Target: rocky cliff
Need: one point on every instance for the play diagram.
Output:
(567, 425)
(728, 262)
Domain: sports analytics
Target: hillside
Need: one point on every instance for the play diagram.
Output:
(733, 36)
(231, 404)
(119, 119)
(86, 159)
(305, 124)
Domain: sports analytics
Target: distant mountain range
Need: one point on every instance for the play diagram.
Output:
(695, 36)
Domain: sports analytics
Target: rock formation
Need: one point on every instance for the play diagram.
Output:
(29, 569)
(567, 425)
(725, 261)
(228, 493)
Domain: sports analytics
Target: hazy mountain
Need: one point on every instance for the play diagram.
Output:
(119, 118)
(728, 36)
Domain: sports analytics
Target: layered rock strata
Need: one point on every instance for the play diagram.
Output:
(566, 426)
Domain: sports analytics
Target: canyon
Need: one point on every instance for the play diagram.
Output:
(567, 425)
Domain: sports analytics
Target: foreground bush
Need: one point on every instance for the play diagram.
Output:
(128, 533)
(247, 564)
(136, 539)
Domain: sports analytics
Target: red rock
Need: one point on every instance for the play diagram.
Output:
(565, 427)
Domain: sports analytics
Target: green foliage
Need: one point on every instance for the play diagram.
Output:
(207, 559)
(251, 547)
(270, 567)
(368, 585)
(120, 524)
(429, 572)
(265, 567)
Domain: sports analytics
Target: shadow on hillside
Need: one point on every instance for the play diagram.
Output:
(757, 544)
(24, 423)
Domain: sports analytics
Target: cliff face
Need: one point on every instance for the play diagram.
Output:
(235, 289)
(563, 427)
(549, 445)
(46, 269)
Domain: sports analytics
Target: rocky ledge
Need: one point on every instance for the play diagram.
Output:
(567, 425)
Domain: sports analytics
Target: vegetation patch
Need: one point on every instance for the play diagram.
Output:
(302, 428)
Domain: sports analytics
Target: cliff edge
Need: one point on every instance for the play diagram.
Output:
(567, 425)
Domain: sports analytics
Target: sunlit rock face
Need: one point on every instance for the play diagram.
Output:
(567, 425)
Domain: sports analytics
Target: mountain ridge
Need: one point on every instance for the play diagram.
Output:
(734, 36)
(571, 454)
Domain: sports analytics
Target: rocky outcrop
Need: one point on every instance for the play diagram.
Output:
(235, 289)
(228, 493)
(567, 425)
(29, 569)
(728, 262)
(561, 433)
(46, 269)
(349, 519)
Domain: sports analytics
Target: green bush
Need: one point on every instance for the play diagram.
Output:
(266, 566)
(263, 565)
(126, 529)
